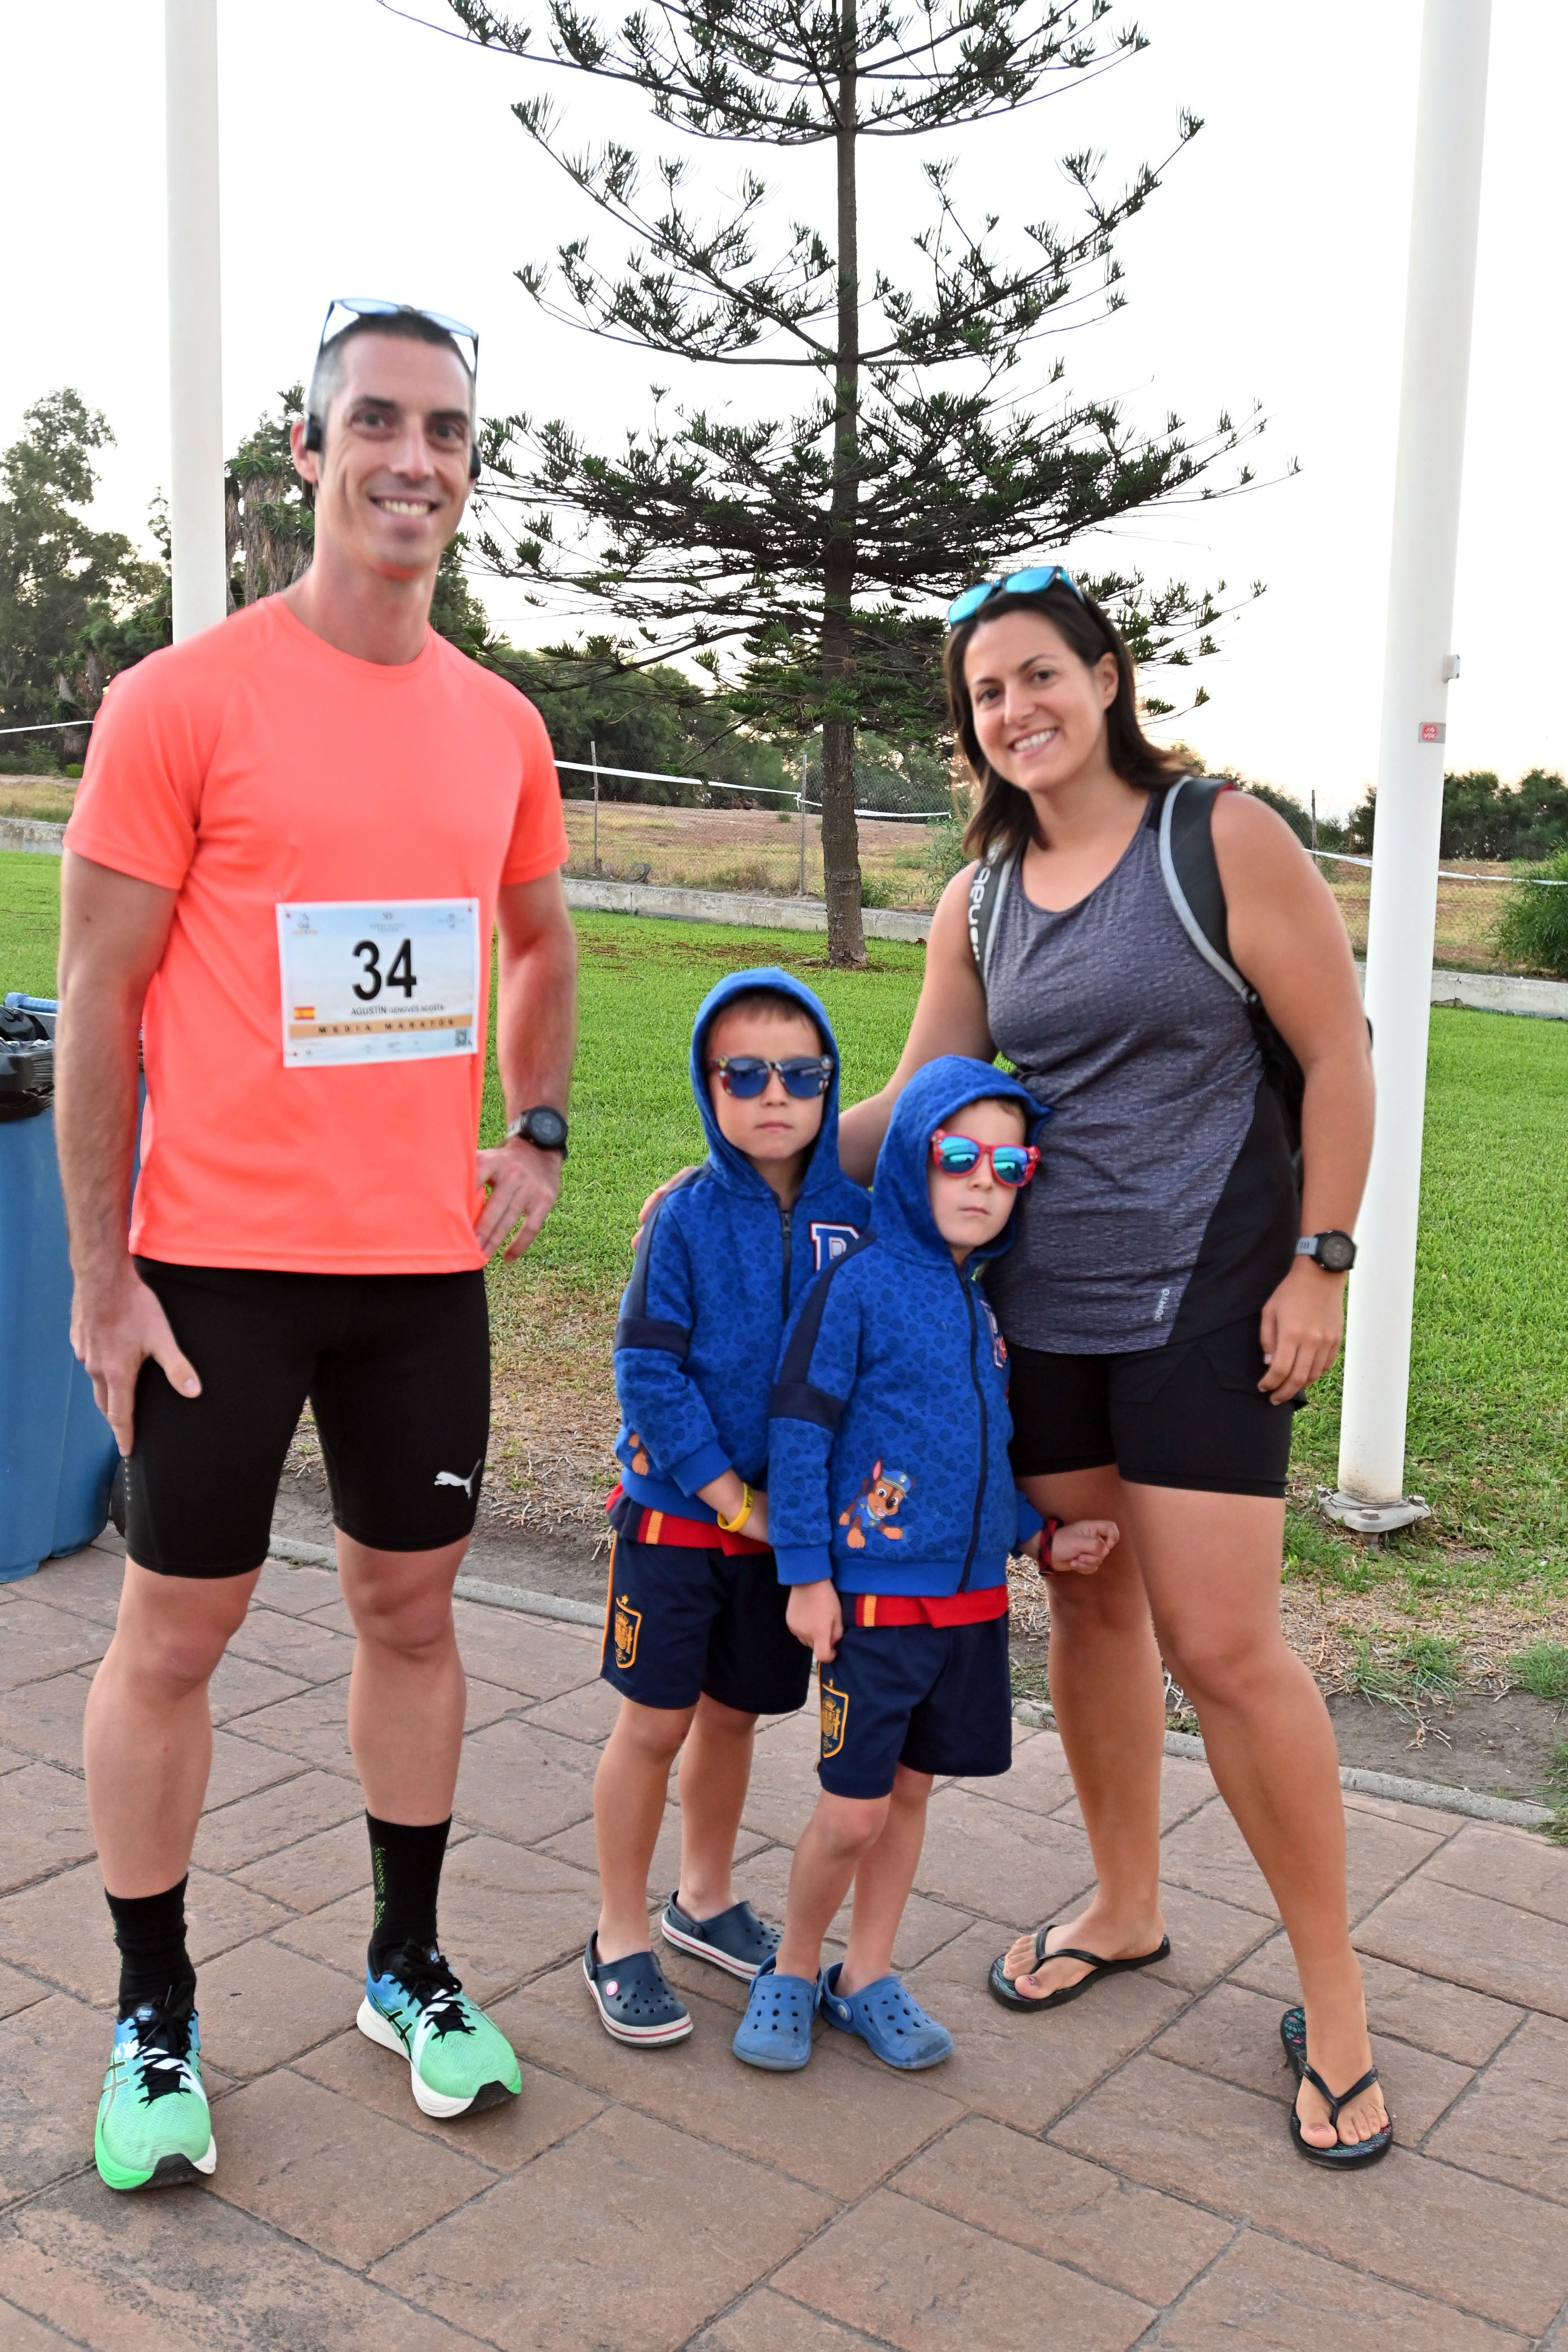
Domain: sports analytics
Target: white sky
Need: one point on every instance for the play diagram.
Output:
(362, 155)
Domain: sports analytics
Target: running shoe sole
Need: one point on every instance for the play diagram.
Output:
(744, 1970)
(169, 2172)
(385, 2034)
(642, 2034)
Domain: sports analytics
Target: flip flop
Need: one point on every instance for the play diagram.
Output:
(1341, 2157)
(1004, 1989)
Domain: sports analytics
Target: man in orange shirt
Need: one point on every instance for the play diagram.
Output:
(293, 839)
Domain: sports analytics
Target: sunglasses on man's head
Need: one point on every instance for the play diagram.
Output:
(802, 1075)
(1033, 582)
(958, 1155)
(373, 305)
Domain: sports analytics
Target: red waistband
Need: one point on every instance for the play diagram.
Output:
(930, 1608)
(663, 1527)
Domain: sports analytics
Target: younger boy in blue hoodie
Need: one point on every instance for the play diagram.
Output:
(696, 1640)
(894, 1512)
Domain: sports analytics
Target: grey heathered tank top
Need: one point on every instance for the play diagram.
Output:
(1148, 1062)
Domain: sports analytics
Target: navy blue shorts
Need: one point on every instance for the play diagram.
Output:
(682, 1621)
(937, 1698)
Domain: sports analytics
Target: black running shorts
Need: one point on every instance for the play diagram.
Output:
(397, 1370)
(1188, 1414)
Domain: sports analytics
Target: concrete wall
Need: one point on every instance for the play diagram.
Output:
(1483, 991)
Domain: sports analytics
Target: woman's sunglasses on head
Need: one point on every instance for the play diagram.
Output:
(1033, 582)
(802, 1075)
(957, 1155)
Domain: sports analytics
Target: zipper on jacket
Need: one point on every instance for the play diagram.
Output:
(786, 1224)
(967, 1286)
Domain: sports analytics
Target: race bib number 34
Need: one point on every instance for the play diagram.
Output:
(365, 982)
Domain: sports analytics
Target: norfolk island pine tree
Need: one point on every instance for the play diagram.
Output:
(828, 542)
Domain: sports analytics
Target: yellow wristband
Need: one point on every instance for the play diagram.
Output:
(732, 1527)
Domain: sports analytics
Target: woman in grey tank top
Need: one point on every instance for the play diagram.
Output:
(1161, 1317)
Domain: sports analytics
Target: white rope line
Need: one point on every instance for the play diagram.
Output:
(1545, 881)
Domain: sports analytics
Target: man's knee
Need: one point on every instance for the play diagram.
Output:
(172, 1631)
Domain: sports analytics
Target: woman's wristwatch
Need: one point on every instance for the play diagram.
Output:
(1334, 1251)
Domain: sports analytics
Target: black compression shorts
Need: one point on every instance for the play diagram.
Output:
(397, 1370)
(1188, 1415)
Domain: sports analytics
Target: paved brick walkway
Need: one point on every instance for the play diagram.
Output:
(1116, 2175)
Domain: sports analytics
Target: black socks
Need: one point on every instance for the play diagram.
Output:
(406, 1871)
(154, 1965)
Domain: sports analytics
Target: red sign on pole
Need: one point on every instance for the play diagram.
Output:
(1433, 730)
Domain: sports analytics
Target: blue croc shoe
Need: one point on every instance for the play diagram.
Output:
(775, 2032)
(735, 1941)
(634, 1999)
(894, 2028)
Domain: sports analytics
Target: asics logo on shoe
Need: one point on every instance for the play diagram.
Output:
(450, 1478)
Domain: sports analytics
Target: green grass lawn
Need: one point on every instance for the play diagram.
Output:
(1489, 1417)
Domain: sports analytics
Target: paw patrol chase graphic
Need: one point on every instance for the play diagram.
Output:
(625, 1624)
(875, 1507)
(834, 1709)
(998, 1345)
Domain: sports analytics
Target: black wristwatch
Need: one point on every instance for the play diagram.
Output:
(1334, 1251)
(544, 1128)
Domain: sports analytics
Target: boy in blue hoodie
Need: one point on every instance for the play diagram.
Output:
(894, 1512)
(696, 1640)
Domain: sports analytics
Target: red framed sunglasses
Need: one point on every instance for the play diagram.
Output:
(1013, 1164)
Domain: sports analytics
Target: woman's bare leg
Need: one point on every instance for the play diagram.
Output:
(1211, 1566)
(1109, 1692)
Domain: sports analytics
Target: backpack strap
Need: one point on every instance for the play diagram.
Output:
(1191, 872)
(986, 885)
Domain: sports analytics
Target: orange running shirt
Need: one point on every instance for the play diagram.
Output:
(255, 767)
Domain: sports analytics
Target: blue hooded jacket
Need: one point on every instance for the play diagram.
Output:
(888, 1465)
(718, 1267)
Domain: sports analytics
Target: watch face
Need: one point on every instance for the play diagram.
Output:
(547, 1129)
(1336, 1253)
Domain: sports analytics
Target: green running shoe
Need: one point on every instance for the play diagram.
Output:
(458, 2063)
(154, 2126)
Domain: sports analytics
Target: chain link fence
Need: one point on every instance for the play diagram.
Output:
(1472, 899)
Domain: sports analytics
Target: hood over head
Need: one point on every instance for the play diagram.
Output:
(900, 1196)
(731, 1164)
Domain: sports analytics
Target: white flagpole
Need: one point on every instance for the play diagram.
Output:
(1418, 663)
(195, 336)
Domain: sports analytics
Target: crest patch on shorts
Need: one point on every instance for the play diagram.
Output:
(625, 1624)
(834, 1709)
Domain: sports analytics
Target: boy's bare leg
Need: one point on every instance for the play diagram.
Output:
(882, 1884)
(837, 1838)
(715, 1767)
(629, 1792)
(147, 1739)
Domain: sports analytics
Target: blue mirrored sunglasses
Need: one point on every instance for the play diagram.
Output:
(372, 306)
(1031, 582)
(1012, 1164)
(803, 1075)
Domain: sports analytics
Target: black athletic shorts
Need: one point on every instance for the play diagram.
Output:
(397, 1370)
(1188, 1415)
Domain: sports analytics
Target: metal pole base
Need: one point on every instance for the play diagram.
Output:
(1365, 1518)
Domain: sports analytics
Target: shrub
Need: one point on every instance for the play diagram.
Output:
(1532, 929)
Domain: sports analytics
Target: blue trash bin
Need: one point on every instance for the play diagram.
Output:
(57, 1454)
